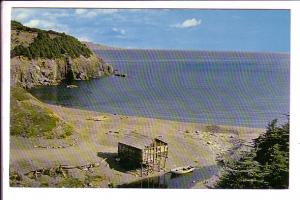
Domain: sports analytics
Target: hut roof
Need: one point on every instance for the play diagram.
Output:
(161, 139)
(140, 141)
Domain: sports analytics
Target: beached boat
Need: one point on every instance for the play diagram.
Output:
(72, 86)
(182, 170)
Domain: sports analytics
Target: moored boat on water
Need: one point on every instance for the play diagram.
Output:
(182, 170)
(121, 75)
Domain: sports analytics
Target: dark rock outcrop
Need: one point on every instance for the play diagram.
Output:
(34, 72)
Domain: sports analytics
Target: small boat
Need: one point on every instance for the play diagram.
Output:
(121, 75)
(182, 170)
(72, 86)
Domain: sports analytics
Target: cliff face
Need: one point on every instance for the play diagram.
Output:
(42, 71)
(42, 58)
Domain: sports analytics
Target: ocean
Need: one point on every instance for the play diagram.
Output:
(228, 88)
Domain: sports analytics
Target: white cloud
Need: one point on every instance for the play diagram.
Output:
(32, 23)
(83, 38)
(48, 25)
(107, 11)
(120, 31)
(91, 13)
(21, 14)
(80, 11)
(188, 23)
(54, 15)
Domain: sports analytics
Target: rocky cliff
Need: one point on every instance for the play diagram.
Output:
(41, 57)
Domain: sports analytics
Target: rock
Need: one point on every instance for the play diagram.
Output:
(81, 76)
(42, 71)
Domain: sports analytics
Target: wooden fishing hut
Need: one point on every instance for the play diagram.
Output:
(148, 154)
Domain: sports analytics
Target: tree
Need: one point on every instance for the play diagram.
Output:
(242, 174)
(45, 47)
(266, 166)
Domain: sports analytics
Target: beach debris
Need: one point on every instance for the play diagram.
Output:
(60, 170)
(98, 118)
(114, 133)
(53, 171)
(57, 147)
(72, 86)
(123, 117)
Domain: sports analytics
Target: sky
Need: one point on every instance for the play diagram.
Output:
(194, 29)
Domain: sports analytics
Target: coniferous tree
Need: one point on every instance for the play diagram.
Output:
(266, 166)
(45, 47)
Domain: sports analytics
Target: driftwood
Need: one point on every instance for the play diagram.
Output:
(57, 147)
(60, 170)
(98, 118)
(53, 171)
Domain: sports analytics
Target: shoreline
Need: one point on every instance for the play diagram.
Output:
(98, 134)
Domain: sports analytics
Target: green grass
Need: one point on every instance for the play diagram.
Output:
(20, 94)
(71, 182)
(30, 118)
(88, 181)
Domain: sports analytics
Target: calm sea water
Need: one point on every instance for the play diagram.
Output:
(245, 89)
(169, 180)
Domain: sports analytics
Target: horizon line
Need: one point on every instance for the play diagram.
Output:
(110, 47)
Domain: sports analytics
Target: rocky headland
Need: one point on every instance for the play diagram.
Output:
(41, 57)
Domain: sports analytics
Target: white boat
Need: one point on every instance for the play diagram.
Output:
(182, 170)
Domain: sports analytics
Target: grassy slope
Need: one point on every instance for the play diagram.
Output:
(30, 118)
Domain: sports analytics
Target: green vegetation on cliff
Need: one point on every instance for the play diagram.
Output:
(266, 166)
(31, 118)
(40, 57)
(47, 44)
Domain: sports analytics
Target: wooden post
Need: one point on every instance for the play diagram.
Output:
(165, 155)
(141, 169)
(154, 159)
